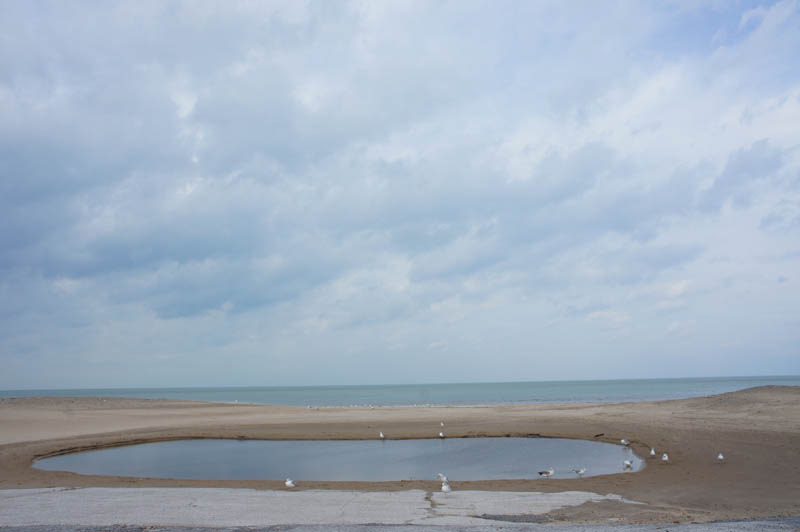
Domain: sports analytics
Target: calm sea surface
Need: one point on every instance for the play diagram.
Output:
(440, 394)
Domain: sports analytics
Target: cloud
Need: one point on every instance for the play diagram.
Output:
(296, 183)
(612, 317)
(739, 180)
(677, 288)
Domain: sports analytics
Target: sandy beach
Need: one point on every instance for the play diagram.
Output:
(758, 430)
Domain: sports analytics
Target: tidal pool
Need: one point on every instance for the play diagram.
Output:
(364, 460)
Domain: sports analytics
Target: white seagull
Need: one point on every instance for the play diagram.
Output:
(446, 487)
(547, 473)
(289, 483)
(720, 457)
(381, 436)
(441, 435)
(441, 477)
(579, 472)
(627, 464)
(665, 457)
(441, 424)
(652, 452)
(624, 442)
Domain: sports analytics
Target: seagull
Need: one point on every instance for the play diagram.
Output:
(652, 452)
(665, 457)
(441, 424)
(579, 472)
(720, 457)
(547, 473)
(441, 477)
(627, 464)
(441, 435)
(624, 442)
(290, 483)
(446, 487)
(381, 436)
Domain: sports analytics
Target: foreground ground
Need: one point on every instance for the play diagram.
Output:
(757, 429)
(785, 524)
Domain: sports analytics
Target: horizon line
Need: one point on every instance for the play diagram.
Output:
(243, 386)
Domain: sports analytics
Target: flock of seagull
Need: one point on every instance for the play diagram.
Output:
(627, 465)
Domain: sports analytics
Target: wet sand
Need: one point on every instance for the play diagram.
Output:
(758, 430)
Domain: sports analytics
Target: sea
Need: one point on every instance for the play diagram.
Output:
(478, 393)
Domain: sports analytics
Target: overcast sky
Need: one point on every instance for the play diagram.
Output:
(281, 193)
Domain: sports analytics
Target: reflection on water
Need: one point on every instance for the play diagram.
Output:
(458, 458)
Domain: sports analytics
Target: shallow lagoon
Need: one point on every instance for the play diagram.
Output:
(350, 460)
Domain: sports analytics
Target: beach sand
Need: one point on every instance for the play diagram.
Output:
(757, 429)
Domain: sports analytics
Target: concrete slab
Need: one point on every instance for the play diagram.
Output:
(462, 504)
(220, 507)
(781, 524)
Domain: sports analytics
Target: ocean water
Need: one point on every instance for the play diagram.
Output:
(373, 460)
(440, 394)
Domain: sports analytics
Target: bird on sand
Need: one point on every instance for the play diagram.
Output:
(289, 483)
(624, 442)
(627, 464)
(441, 424)
(441, 435)
(547, 473)
(381, 436)
(446, 487)
(720, 458)
(665, 457)
(652, 452)
(579, 472)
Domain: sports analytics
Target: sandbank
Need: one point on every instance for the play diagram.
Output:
(757, 429)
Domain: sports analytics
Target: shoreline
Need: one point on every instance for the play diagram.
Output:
(758, 429)
(627, 390)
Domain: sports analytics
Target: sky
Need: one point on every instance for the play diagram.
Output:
(373, 192)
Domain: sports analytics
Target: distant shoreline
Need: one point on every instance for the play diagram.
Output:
(446, 394)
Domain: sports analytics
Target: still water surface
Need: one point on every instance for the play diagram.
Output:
(372, 460)
(485, 393)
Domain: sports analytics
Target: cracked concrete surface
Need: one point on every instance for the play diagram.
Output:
(223, 507)
(783, 524)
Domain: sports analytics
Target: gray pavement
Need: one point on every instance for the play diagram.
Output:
(760, 525)
(244, 510)
(225, 507)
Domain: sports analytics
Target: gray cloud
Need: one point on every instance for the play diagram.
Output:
(739, 180)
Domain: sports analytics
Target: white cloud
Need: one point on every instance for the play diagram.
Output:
(678, 288)
(756, 14)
